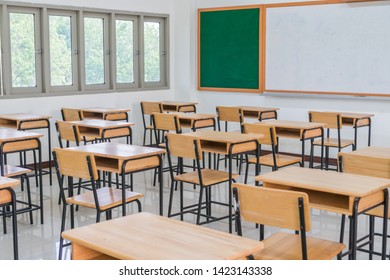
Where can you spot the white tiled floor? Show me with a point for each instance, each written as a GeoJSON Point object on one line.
{"type": "Point", "coordinates": [40, 241]}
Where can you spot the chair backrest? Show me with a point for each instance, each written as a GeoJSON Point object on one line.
{"type": "Point", "coordinates": [362, 165]}
{"type": "Point", "coordinates": [332, 120]}
{"type": "Point", "coordinates": [67, 132]}
{"type": "Point", "coordinates": [230, 114]}
{"type": "Point", "coordinates": [166, 122]}
{"type": "Point", "coordinates": [69, 114]}
{"type": "Point", "coordinates": [268, 131]}
{"type": "Point", "coordinates": [272, 207]}
{"type": "Point", "coordinates": [5, 196]}
{"type": "Point", "coordinates": [75, 164]}
{"type": "Point", "coordinates": [149, 108]}
{"type": "Point", "coordinates": [184, 146]}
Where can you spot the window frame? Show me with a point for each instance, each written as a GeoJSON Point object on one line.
{"type": "Point", "coordinates": [136, 53]}
{"type": "Point", "coordinates": [75, 50]}
{"type": "Point", "coordinates": [106, 52]}
{"type": "Point", "coordinates": [163, 52]}
{"type": "Point", "coordinates": [7, 78]}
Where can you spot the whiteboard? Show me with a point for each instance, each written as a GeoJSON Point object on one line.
{"type": "Point", "coordinates": [329, 48]}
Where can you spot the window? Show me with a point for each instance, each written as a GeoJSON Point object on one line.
{"type": "Point", "coordinates": [63, 51]}
{"type": "Point", "coordinates": [126, 51]}
{"type": "Point", "coordinates": [154, 52]}
{"type": "Point", "coordinates": [96, 52]}
{"type": "Point", "coordinates": [48, 49]}
{"type": "Point", "coordinates": [25, 49]}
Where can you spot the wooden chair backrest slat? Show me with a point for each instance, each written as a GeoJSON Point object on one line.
{"type": "Point", "coordinates": [262, 128]}
{"type": "Point", "coordinates": [66, 131]}
{"type": "Point", "coordinates": [361, 165]}
{"type": "Point", "coordinates": [184, 146]}
{"type": "Point", "coordinates": [149, 108]}
{"type": "Point", "coordinates": [5, 196]}
{"type": "Point", "coordinates": [69, 114]}
{"type": "Point", "coordinates": [74, 164]}
{"type": "Point", "coordinates": [168, 122]}
{"type": "Point", "coordinates": [332, 120]}
{"type": "Point", "coordinates": [272, 207]}
{"type": "Point", "coordinates": [230, 114]}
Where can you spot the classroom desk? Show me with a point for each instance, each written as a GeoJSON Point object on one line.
{"type": "Point", "coordinates": [144, 236]}
{"type": "Point", "coordinates": [103, 129]}
{"type": "Point", "coordinates": [179, 106]}
{"type": "Point", "coordinates": [105, 113]}
{"type": "Point", "coordinates": [342, 193]}
{"type": "Point", "coordinates": [21, 121]}
{"type": "Point", "coordinates": [259, 113]}
{"type": "Point", "coordinates": [125, 159]}
{"type": "Point", "coordinates": [196, 121]}
{"type": "Point", "coordinates": [228, 144]}
{"type": "Point", "coordinates": [16, 141]}
{"type": "Point", "coordinates": [299, 130]}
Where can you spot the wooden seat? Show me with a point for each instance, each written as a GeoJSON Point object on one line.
{"type": "Point", "coordinates": [108, 198]}
{"type": "Point", "coordinates": [272, 159]}
{"type": "Point", "coordinates": [148, 108]}
{"type": "Point", "coordinates": [188, 147]}
{"type": "Point", "coordinates": [334, 142]}
{"type": "Point", "coordinates": [317, 249]}
{"type": "Point", "coordinates": [281, 160]}
{"type": "Point", "coordinates": [75, 164]}
{"type": "Point", "coordinates": [70, 114]}
{"type": "Point", "coordinates": [333, 122]}
{"type": "Point", "coordinates": [286, 210]}
{"type": "Point", "coordinates": [362, 165]}
{"type": "Point", "coordinates": [209, 177]}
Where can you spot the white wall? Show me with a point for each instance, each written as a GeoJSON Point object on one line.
{"type": "Point", "coordinates": [131, 100]}
{"type": "Point", "coordinates": [296, 107]}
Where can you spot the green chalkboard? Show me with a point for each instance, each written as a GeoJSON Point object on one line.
{"type": "Point", "coordinates": [229, 49]}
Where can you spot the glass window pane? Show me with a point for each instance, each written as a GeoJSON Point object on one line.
{"type": "Point", "coordinates": [94, 50]}
{"type": "Point", "coordinates": [60, 50]}
{"type": "Point", "coordinates": [152, 51]}
{"type": "Point", "coordinates": [124, 51]}
{"type": "Point", "coordinates": [22, 34]}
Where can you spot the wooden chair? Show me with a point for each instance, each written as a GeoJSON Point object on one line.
{"type": "Point", "coordinates": [332, 121]}
{"type": "Point", "coordinates": [15, 172]}
{"type": "Point", "coordinates": [8, 200]}
{"type": "Point", "coordinates": [75, 164]}
{"type": "Point", "coordinates": [147, 109]}
{"type": "Point", "coordinates": [283, 209]}
{"type": "Point", "coordinates": [70, 114]}
{"type": "Point", "coordinates": [361, 165]}
{"type": "Point", "coordinates": [272, 158]}
{"type": "Point", "coordinates": [229, 115]}
{"type": "Point", "coordinates": [162, 123]}
{"type": "Point", "coordinates": [188, 147]}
